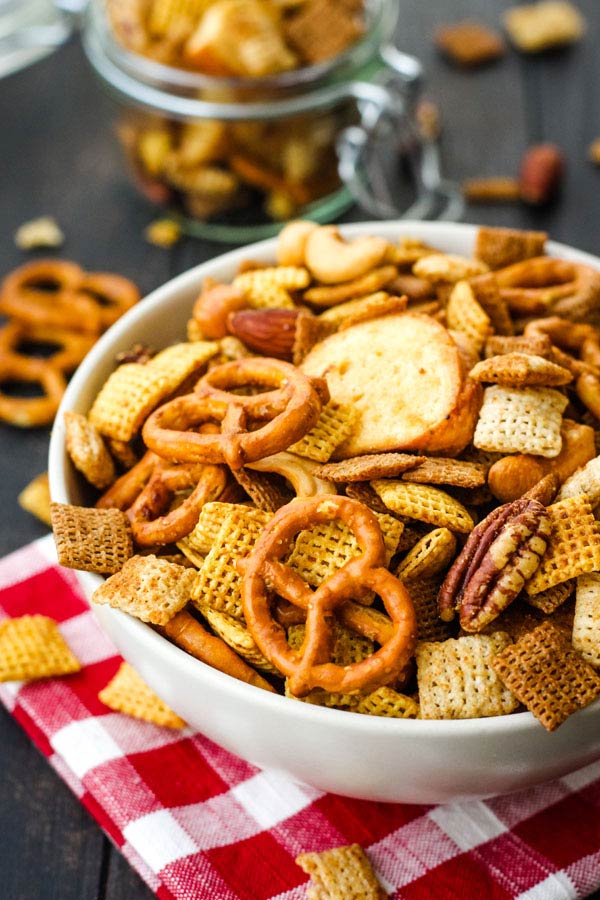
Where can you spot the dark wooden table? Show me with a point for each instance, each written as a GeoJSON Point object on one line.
{"type": "Point", "coordinates": [58, 156]}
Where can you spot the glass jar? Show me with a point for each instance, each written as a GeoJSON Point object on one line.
{"type": "Point", "coordinates": [29, 31]}
{"type": "Point", "coordinates": [233, 158]}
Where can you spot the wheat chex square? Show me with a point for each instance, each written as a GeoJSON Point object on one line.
{"type": "Point", "coordinates": [547, 674]}
{"type": "Point", "coordinates": [94, 540]}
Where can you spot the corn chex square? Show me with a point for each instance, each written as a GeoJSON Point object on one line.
{"type": "Point", "coordinates": [180, 361]}
{"type": "Point", "coordinates": [269, 287]}
{"type": "Point", "coordinates": [521, 420]}
{"type": "Point", "coordinates": [429, 556]}
{"type": "Point", "coordinates": [128, 693]}
{"type": "Point", "coordinates": [219, 584]}
{"type": "Point", "coordinates": [456, 679]}
{"type": "Point", "coordinates": [586, 622]}
{"type": "Point", "coordinates": [574, 546]}
{"type": "Point", "coordinates": [94, 540]}
{"type": "Point", "coordinates": [424, 503]}
{"type": "Point", "coordinates": [344, 873]}
{"type": "Point", "coordinates": [35, 498]}
{"type": "Point", "coordinates": [235, 633]}
{"type": "Point", "coordinates": [385, 701]}
{"type": "Point", "coordinates": [334, 425]}
{"type": "Point", "coordinates": [321, 550]}
{"type": "Point", "coordinates": [127, 397]}
{"type": "Point", "coordinates": [32, 647]}
{"type": "Point", "coordinates": [210, 522]}
{"type": "Point", "coordinates": [547, 674]}
{"type": "Point", "coordinates": [151, 589]}
{"type": "Point", "coordinates": [464, 313]}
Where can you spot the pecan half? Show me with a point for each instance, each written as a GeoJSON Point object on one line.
{"type": "Point", "coordinates": [502, 553]}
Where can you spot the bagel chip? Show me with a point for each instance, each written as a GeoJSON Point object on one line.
{"type": "Point", "coordinates": [404, 376]}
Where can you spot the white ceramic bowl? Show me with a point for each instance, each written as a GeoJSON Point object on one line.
{"type": "Point", "coordinates": [361, 756]}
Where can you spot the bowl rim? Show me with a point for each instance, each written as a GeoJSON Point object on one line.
{"type": "Point", "coordinates": [193, 669]}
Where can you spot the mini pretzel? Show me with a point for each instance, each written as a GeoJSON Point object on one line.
{"type": "Point", "coordinates": [111, 294]}
{"type": "Point", "coordinates": [147, 490]}
{"type": "Point", "coordinates": [308, 667]}
{"type": "Point", "coordinates": [58, 293]}
{"type": "Point", "coordinates": [28, 412]}
{"type": "Point", "coordinates": [71, 347]}
{"type": "Point", "coordinates": [282, 415]}
{"type": "Point", "coordinates": [533, 286]}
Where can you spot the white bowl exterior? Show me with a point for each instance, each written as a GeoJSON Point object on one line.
{"type": "Point", "coordinates": [360, 756]}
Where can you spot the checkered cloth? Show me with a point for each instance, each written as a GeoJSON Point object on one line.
{"type": "Point", "coordinates": [196, 822]}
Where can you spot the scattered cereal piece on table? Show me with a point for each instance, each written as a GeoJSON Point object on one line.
{"type": "Point", "coordinates": [535, 27]}
{"type": "Point", "coordinates": [470, 44]}
{"type": "Point", "coordinates": [32, 647]}
{"type": "Point", "coordinates": [594, 152]}
{"type": "Point", "coordinates": [494, 189]}
{"type": "Point", "coordinates": [343, 873]}
{"type": "Point", "coordinates": [42, 232]}
{"type": "Point", "coordinates": [128, 693]}
{"type": "Point", "coordinates": [163, 233]}
{"type": "Point", "coordinates": [35, 498]}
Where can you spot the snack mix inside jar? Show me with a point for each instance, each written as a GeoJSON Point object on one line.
{"type": "Point", "coordinates": [241, 114]}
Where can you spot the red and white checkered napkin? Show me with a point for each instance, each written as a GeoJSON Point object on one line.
{"type": "Point", "coordinates": [197, 822]}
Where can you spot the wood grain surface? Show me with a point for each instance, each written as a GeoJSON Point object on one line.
{"type": "Point", "coordinates": [58, 156]}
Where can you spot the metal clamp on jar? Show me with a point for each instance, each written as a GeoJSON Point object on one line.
{"type": "Point", "coordinates": [307, 142]}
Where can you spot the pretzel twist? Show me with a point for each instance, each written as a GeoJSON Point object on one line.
{"type": "Point", "coordinates": [252, 426]}
{"type": "Point", "coordinates": [309, 667]}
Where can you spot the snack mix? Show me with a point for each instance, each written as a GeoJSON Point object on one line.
{"type": "Point", "coordinates": [210, 167]}
{"type": "Point", "coordinates": [368, 480]}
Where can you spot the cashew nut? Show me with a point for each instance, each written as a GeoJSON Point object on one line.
{"type": "Point", "coordinates": [331, 259]}
{"type": "Point", "coordinates": [291, 243]}
{"type": "Point", "coordinates": [298, 471]}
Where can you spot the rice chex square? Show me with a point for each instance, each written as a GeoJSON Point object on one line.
{"type": "Point", "coordinates": [521, 420]}
{"type": "Point", "coordinates": [456, 679]}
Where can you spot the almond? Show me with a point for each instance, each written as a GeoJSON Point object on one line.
{"type": "Point", "coordinates": [542, 169]}
{"type": "Point", "coordinates": [270, 332]}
